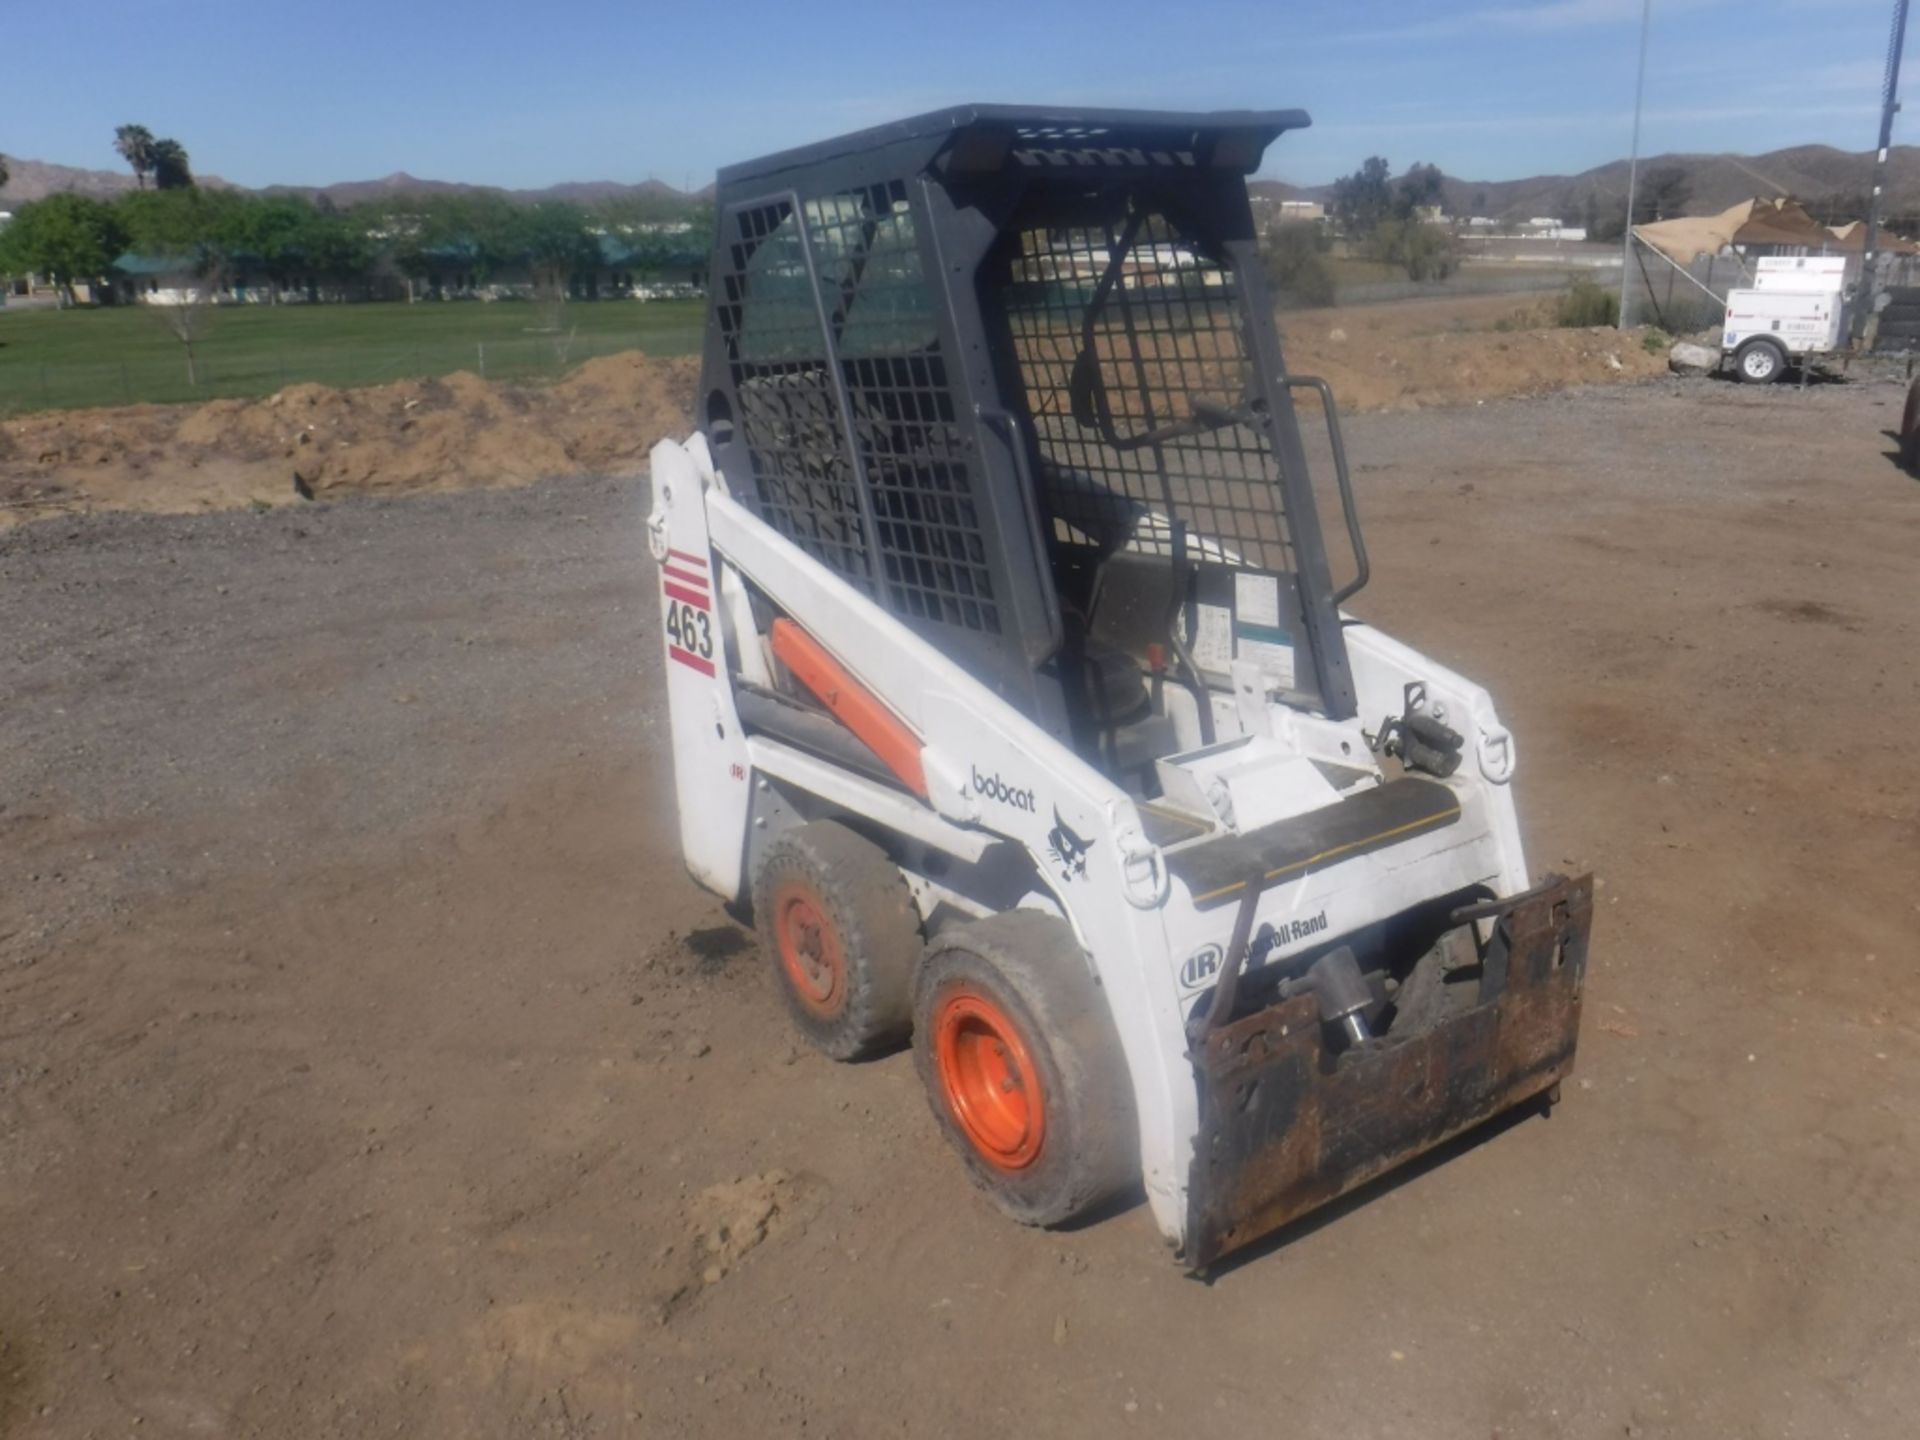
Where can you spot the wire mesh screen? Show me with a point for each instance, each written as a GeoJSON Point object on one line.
{"type": "Point", "coordinates": [789, 414]}
{"type": "Point", "coordinates": [926, 558]}
{"type": "Point", "coordinates": [926, 518]}
{"type": "Point", "coordinates": [1165, 336]}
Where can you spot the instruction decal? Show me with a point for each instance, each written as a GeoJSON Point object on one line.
{"type": "Point", "coordinates": [1258, 635]}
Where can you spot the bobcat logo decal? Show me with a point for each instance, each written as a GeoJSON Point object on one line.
{"type": "Point", "coordinates": [1069, 851]}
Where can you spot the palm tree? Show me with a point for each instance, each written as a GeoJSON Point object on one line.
{"type": "Point", "coordinates": [169, 160]}
{"type": "Point", "coordinates": [135, 144]}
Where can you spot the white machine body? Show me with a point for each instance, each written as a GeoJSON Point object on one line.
{"type": "Point", "coordinates": [995, 779]}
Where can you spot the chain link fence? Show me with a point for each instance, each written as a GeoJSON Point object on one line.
{"type": "Point", "coordinates": [257, 368]}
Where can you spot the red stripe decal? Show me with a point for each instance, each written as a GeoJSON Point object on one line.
{"type": "Point", "coordinates": [685, 559]}
{"type": "Point", "coordinates": [692, 661]}
{"type": "Point", "coordinates": [681, 575]}
{"type": "Point", "coordinates": [690, 597]}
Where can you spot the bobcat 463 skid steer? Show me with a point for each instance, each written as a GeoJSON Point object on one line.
{"type": "Point", "coordinates": [1010, 686]}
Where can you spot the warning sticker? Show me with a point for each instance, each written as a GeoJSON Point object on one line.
{"type": "Point", "coordinates": [1256, 600]}
{"type": "Point", "coordinates": [1257, 632]}
{"type": "Point", "coordinates": [1213, 638]}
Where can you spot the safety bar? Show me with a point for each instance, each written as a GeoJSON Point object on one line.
{"type": "Point", "coordinates": [1362, 571]}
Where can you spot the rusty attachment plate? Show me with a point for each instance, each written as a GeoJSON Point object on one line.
{"type": "Point", "coordinates": [1287, 1125]}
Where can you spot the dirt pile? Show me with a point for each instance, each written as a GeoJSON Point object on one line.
{"type": "Point", "coordinates": [462, 432]}
{"type": "Point", "coordinates": [1426, 353]}
{"type": "Point", "coordinates": [310, 441]}
{"type": "Point", "coordinates": [734, 1218]}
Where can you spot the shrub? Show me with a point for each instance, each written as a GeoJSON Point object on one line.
{"type": "Point", "coordinates": [1296, 261]}
{"type": "Point", "coordinates": [1585, 304]}
{"type": "Point", "coordinates": [1425, 252]}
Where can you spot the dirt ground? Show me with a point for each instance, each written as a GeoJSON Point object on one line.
{"type": "Point", "coordinates": [368, 1065]}
{"type": "Point", "coordinates": [463, 432]}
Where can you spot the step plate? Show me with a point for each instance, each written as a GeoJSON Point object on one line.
{"type": "Point", "coordinates": [1216, 872]}
{"type": "Point", "coordinates": [1285, 1126]}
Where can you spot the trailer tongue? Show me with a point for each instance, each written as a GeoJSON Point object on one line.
{"type": "Point", "coordinates": [1009, 682]}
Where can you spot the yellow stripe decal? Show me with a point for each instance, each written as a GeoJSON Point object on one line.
{"type": "Point", "coordinates": [1443, 817]}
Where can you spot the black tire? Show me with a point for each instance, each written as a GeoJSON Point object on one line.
{"type": "Point", "coordinates": [1027, 969]}
{"type": "Point", "coordinates": [839, 929]}
{"type": "Point", "coordinates": [1910, 431]}
{"type": "Point", "coordinates": [1760, 362]}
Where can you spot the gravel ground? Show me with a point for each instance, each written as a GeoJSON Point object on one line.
{"type": "Point", "coordinates": [368, 1065]}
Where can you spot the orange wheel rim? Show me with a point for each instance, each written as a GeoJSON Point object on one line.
{"type": "Point", "coordinates": [988, 1079]}
{"type": "Point", "coordinates": [810, 952]}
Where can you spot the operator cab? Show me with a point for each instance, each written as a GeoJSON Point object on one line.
{"type": "Point", "coordinates": [1014, 373]}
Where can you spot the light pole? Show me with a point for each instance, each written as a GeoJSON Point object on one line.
{"type": "Point", "coordinates": [1889, 106]}
{"type": "Point", "coordinates": [1633, 163]}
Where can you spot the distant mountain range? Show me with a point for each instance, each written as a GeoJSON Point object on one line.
{"type": "Point", "coordinates": [1815, 174]}
{"type": "Point", "coordinates": [34, 179]}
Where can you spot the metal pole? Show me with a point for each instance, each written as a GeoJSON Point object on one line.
{"type": "Point", "coordinates": [1889, 105]}
{"type": "Point", "coordinates": [1633, 162]}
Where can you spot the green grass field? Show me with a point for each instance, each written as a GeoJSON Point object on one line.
{"type": "Point", "coordinates": [54, 359]}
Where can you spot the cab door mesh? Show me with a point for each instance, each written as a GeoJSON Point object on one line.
{"type": "Point", "coordinates": [1166, 338]}
{"type": "Point", "coordinates": [832, 339]}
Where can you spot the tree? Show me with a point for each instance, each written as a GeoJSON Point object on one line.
{"type": "Point", "coordinates": [170, 169]}
{"type": "Point", "coordinates": [1418, 188]}
{"type": "Point", "coordinates": [1479, 202]}
{"type": "Point", "coordinates": [5, 174]}
{"type": "Point", "coordinates": [553, 237]}
{"type": "Point", "coordinates": [1663, 194]}
{"type": "Point", "coordinates": [64, 237]}
{"type": "Point", "coordinates": [187, 311]}
{"type": "Point", "coordinates": [189, 223]}
{"type": "Point", "coordinates": [338, 252]}
{"type": "Point", "coordinates": [135, 144]}
{"type": "Point", "coordinates": [277, 231]}
{"type": "Point", "coordinates": [1363, 199]}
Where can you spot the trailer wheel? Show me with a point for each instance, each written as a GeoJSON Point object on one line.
{"type": "Point", "coordinates": [839, 927]}
{"type": "Point", "coordinates": [1022, 1066]}
{"type": "Point", "coordinates": [1760, 362]}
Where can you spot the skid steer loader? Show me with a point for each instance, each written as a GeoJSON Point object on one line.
{"type": "Point", "coordinates": [1009, 685]}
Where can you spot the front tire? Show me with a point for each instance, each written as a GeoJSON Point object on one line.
{"type": "Point", "coordinates": [838, 925]}
{"type": "Point", "coordinates": [1022, 1067]}
{"type": "Point", "coordinates": [1760, 362]}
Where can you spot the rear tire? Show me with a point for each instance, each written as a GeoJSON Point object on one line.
{"type": "Point", "coordinates": [1910, 431]}
{"type": "Point", "coordinates": [1022, 1067]}
{"type": "Point", "coordinates": [839, 928]}
{"type": "Point", "coordinates": [1760, 362]}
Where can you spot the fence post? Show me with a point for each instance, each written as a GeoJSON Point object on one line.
{"type": "Point", "coordinates": [482, 348]}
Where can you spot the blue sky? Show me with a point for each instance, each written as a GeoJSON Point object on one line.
{"type": "Point", "coordinates": [525, 94]}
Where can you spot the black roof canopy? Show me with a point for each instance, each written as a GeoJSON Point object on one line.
{"type": "Point", "coordinates": [980, 139]}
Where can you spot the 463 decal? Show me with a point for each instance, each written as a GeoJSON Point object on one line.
{"type": "Point", "coordinates": [687, 597]}
{"type": "Point", "coordinates": [690, 636]}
